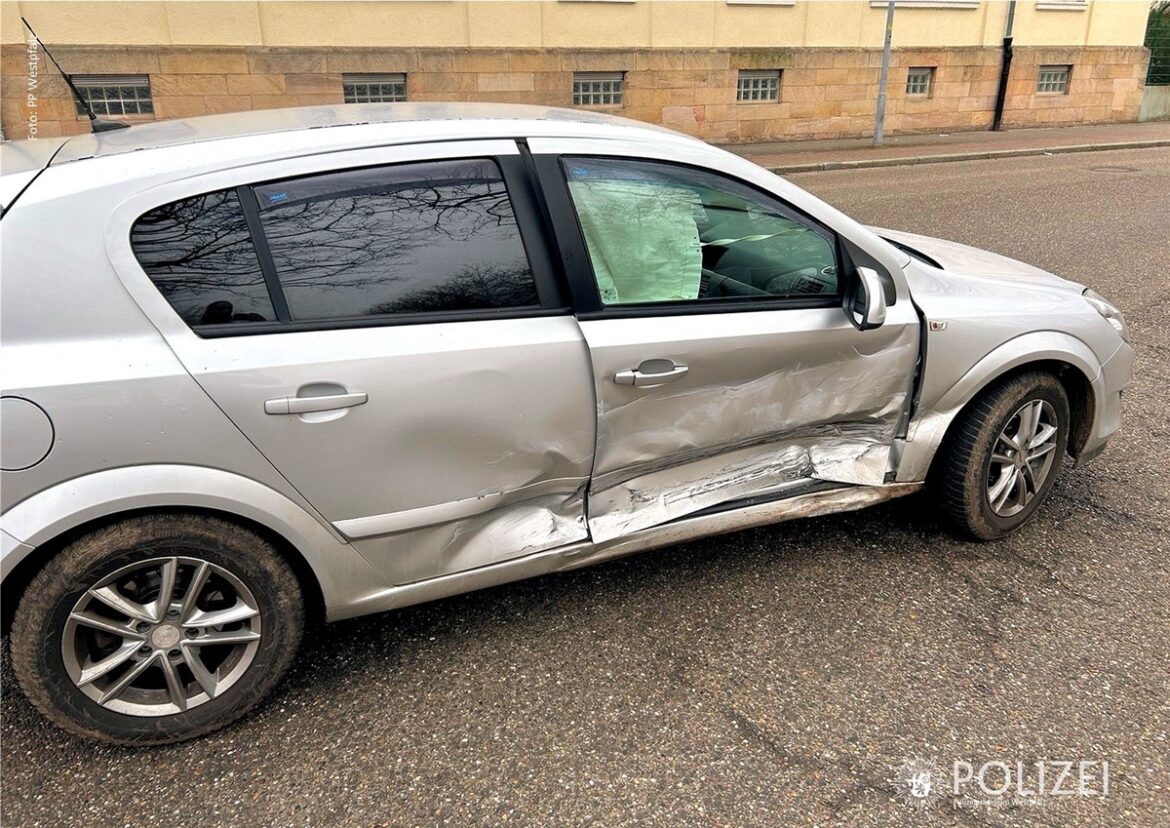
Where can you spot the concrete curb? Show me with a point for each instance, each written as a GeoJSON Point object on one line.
{"type": "Point", "coordinates": [978, 155]}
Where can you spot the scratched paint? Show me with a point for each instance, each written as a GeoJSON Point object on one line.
{"type": "Point", "coordinates": [513, 530]}
{"type": "Point", "coordinates": [792, 407]}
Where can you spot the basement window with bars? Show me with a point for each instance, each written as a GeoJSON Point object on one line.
{"type": "Point", "coordinates": [382, 88]}
{"type": "Point", "coordinates": [598, 88]}
{"type": "Point", "coordinates": [761, 85]}
{"type": "Point", "coordinates": [919, 79]}
{"type": "Point", "coordinates": [115, 94]}
{"type": "Point", "coordinates": [1053, 79]}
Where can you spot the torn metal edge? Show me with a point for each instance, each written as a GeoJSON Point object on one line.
{"type": "Point", "coordinates": [586, 553]}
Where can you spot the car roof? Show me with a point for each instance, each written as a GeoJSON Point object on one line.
{"type": "Point", "coordinates": [475, 118]}
{"type": "Point", "coordinates": [21, 162]}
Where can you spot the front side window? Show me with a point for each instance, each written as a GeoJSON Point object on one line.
{"type": "Point", "coordinates": [425, 237]}
{"type": "Point", "coordinates": [664, 233]}
{"type": "Point", "coordinates": [200, 256]}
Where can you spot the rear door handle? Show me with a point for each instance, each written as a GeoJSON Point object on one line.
{"type": "Point", "coordinates": [306, 405]}
{"type": "Point", "coordinates": [651, 373]}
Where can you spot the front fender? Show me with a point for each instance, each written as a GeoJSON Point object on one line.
{"type": "Point", "coordinates": [341, 572]}
{"type": "Point", "coordinates": [929, 426]}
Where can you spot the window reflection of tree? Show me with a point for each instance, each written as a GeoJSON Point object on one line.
{"type": "Point", "coordinates": [198, 252]}
{"type": "Point", "coordinates": [429, 236]}
{"type": "Point", "coordinates": [473, 288]}
{"type": "Point", "coordinates": [401, 245]}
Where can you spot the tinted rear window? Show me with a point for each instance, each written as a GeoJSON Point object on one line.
{"type": "Point", "coordinates": [425, 237]}
{"type": "Point", "coordinates": [199, 254]}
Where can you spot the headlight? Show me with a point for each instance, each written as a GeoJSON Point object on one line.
{"type": "Point", "coordinates": [1107, 309]}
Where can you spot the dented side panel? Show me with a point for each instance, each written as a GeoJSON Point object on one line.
{"type": "Point", "coordinates": [513, 530]}
{"type": "Point", "coordinates": [474, 445]}
{"type": "Point", "coordinates": [770, 398]}
{"type": "Point", "coordinates": [473, 440]}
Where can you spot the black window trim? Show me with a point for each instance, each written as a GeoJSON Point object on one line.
{"type": "Point", "coordinates": [526, 209]}
{"type": "Point", "coordinates": [380, 321]}
{"type": "Point", "coordinates": [530, 220]}
{"type": "Point", "coordinates": [251, 209]}
{"type": "Point", "coordinates": [578, 267]}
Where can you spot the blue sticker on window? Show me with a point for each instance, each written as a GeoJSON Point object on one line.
{"type": "Point", "coordinates": [277, 197]}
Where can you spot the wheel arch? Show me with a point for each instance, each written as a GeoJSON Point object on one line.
{"type": "Point", "coordinates": [329, 569]}
{"type": "Point", "coordinates": [22, 574]}
{"type": "Point", "coordinates": [1069, 359]}
{"type": "Point", "coordinates": [1076, 386]}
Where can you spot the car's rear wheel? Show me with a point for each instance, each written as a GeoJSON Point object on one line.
{"type": "Point", "coordinates": [1004, 455]}
{"type": "Point", "coordinates": [156, 629]}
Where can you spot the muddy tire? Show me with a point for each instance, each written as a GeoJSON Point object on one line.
{"type": "Point", "coordinates": [1003, 456]}
{"type": "Point", "coordinates": [156, 629]}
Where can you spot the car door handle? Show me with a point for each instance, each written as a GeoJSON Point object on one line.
{"type": "Point", "coordinates": [651, 373]}
{"type": "Point", "coordinates": [306, 405]}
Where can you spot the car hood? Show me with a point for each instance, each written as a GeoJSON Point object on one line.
{"type": "Point", "coordinates": [974, 262]}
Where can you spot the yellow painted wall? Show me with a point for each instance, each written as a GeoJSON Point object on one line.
{"type": "Point", "coordinates": [682, 24]}
{"type": "Point", "coordinates": [504, 24]}
{"type": "Point", "coordinates": [564, 24]}
{"type": "Point", "coordinates": [612, 25]}
{"type": "Point", "coordinates": [224, 24]}
{"type": "Point", "coordinates": [99, 22]}
{"type": "Point", "coordinates": [929, 27]}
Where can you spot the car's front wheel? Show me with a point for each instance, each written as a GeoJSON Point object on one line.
{"type": "Point", "coordinates": [156, 629]}
{"type": "Point", "coordinates": [1004, 454]}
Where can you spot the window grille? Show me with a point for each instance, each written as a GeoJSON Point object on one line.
{"type": "Point", "coordinates": [598, 88]}
{"type": "Point", "coordinates": [384, 88]}
{"type": "Point", "coordinates": [115, 94]}
{"type": "Point", "coordinates": [758, 85]}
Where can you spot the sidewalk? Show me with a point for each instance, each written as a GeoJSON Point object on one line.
{"type": "Point", "coordinates": [854, 153]}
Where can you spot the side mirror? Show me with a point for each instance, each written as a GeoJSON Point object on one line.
{"type": "Point", "coordinates": [865, 301]}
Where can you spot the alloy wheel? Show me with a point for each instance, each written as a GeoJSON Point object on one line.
{"type": "Point", "coordinates": [1022, 458]}
{"type": "Point", "coordinates": [161, 636]}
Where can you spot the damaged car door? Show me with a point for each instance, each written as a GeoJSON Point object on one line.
{"type": "Point", "coordinates": [384, 326]}
{"type": "Point", "coordinates": [725, 366]}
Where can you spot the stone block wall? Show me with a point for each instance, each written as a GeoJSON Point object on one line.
{"type": "Point", "coordinates": [824, 93]}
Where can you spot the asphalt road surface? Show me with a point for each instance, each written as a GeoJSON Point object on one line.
{"type": "Point", "coordinates": [773, 677]}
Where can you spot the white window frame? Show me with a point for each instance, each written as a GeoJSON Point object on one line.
{"type": "Point", "coordinates": [618, 78]}
{"type": "Point", "coordinates": [927, 4]}
{"type": "Point", "coordinates": [1062, 5]}
{"type": "Point", "coordinates": [373, 79]}
{"type": "Point", "coordinates": [928, 89]}
{"type": "Point", "coordinates": [758, 75]}
{"type": "Point", "coordinates": [1051, 68]}
{"type": "Point", "coordinates": [86, 83]}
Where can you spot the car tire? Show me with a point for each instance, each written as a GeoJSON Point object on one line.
{"type": "Point", "coordinates": [987, 484]}
{"type": "Point", "coordinates": [188, 665]}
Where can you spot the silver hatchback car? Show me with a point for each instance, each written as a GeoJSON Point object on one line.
{"type": "Point", "coordinates": [266, 367]}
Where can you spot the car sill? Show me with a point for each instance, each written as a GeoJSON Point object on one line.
{"type": "Point", "coordinates": [586, 553]}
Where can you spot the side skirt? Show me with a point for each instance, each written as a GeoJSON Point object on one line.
{"type": "Point", "coordinates": [587, 553]}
